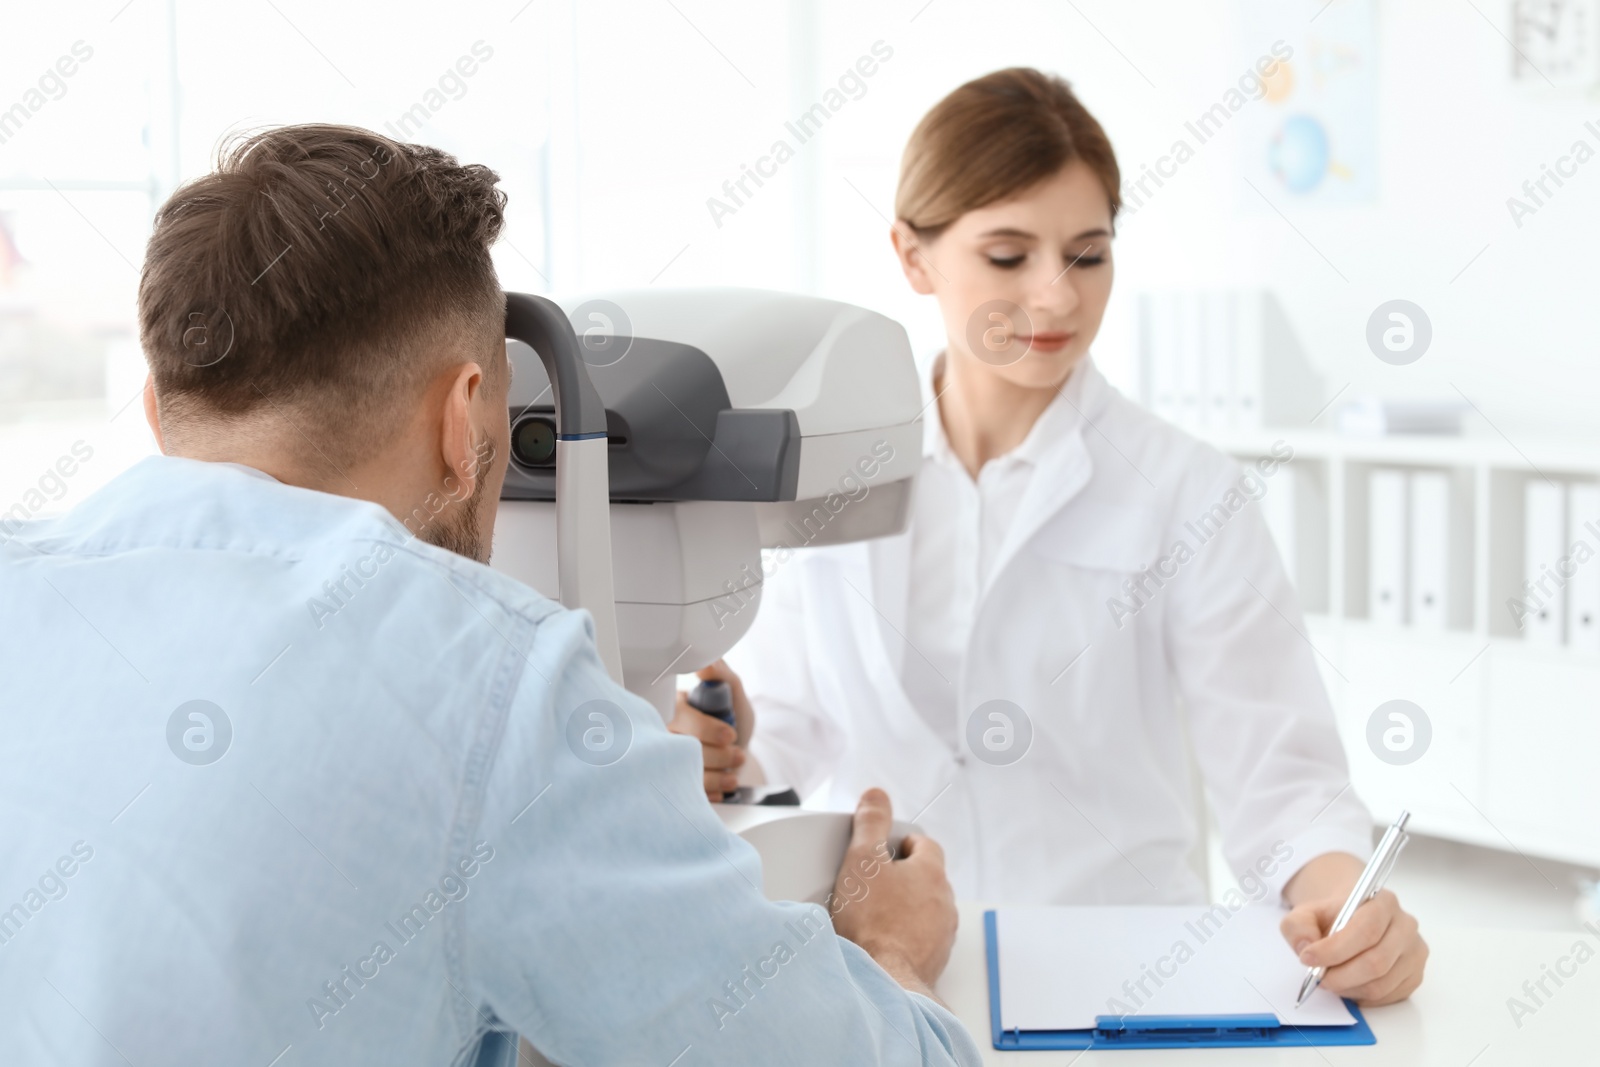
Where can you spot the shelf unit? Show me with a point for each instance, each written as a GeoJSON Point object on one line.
{"type": "Point", "coordinates": [1514, 761]}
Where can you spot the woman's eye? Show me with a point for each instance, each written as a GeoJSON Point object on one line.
{"type": "Point", "coordinates": [1007, 262]}
{"type": "Point", "coordinates": [1088, 261]}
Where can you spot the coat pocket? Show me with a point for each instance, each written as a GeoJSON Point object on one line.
{"type": "Point", "coordinates": [1100, 535]}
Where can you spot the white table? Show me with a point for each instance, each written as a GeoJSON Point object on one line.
{"type": "Point", "coordinates": [1458, 1017]}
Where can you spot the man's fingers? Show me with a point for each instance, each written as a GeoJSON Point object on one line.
{"type": "Point", "coordinates": [874, 818]}
{"type": "Point", "coordinates": [920, 848]}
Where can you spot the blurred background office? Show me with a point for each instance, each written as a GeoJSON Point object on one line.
{"type": "Point", "coordinates": [1378, 252]}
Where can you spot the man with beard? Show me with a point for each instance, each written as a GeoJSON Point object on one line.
{"type": "Point", "coordinates": [287, 771]}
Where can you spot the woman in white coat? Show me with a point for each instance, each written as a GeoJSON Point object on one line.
{"type": "Point", "coordinates": [1086, 604]}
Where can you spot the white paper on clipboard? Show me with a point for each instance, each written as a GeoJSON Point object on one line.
{"type": "Point", "coordinates": [1061, 967]}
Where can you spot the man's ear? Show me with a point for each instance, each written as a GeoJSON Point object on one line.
{"type": "Point", "coordinates": [913, 260]}
{"type": "Point", "coordinates": [152, 413]}
{"type": "Point", "coordinates": [457, 448]}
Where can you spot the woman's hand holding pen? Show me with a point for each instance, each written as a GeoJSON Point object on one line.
{"type": "Point", "coordinates": [1378, 957]}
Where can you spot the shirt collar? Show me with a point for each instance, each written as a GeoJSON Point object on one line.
{"type": "Point", "coordinates": [1052, 425]}
{"type": "Point", "coordinates": [243, 468]}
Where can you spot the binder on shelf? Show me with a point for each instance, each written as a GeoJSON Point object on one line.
{"type": "Point", "coordinates": [1159, 355]}
{"type": "Point", "coordinates": [1544, 525]}
{"type": "Point", "coordinates": [1430, 549]}
{"type": "Point", "coordinates": [1386, 547]}
{"type": "Point", "coordinates": [1249, 358]}
{"type": "Point", "coordinates": [1279, 507]}
{"type": "Point", "coordinates": [1583, 589]}
{"type": "Point", "coordinates": [1218, 355]}
{"type": "Point", "coordinates": [1192, 406]}
{"type": "Point", "coordinates": [1223, 360]}
{"type": "Point", "coordinates": [1083, 977]}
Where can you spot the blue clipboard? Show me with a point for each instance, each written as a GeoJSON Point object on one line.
{"type": "Point", "coordinates": [1164, 1031]}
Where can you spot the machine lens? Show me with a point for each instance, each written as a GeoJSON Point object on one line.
{"type": "Point", "coordinates": [533, 441]}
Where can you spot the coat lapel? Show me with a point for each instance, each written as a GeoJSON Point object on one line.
{"type": "Point", "coordinates": [1064, 468]}
{"type": "Point", "coordinates": [879, 571]}
{"type": "Point", "coordinates": [889, 560]}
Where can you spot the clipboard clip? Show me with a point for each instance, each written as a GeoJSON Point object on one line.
{"type": "Point", "coordinates": [1133, 1030]}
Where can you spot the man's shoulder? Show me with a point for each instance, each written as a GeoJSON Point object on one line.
{"type": "Point", "coordinates": [217, 523]}
{"type": "Point", "coordinates": [477, 584]}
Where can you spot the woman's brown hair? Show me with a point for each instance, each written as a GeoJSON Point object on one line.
{"type": "Point", "coordinates": [993, 138]}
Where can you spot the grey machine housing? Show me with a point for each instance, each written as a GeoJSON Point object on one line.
{"type": "Point", "coordinates": [735, 420]}
{"type": "Point", "coordinates": [672, 431]}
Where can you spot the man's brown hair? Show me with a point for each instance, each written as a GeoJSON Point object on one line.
{"type": "Point", "coordinates": [319, 272]}
{"type": "Point", "coordinates": [992, 139]}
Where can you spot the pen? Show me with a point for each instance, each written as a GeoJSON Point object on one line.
{"type": "Point", "coordinates": [1366, 887]}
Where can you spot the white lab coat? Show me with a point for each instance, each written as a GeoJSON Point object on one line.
{"type": "Point", "coordinates": [1102, 807]}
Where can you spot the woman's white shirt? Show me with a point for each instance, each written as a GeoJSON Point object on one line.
{"type": "Point", "coordinates": [1132, 601]}
{"type": "Point", "coordinates": [958, 529]}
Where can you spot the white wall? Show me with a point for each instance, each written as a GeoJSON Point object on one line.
{"type": "Point", "coordinates": [1456, 137]}
{"type": "Point", "coordinates": [618, 119]}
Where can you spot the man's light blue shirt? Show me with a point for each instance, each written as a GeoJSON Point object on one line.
{"type": "Point", "coordinates": [278, 780]}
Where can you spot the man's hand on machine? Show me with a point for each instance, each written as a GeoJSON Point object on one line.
{"type": "Point", "coordinates": [721, 747]}
{"type": "Point", "coordinates": [902, 911]}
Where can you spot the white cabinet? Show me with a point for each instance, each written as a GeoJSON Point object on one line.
{"type": "Point", "coordinates": [1513, 760]}
{"type": "Point", "coordinates": [1541, 786]}
{"type": "Point", "coordinates": [1418, 670]}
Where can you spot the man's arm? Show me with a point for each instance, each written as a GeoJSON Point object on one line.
{"type": "Point", "coordinates": [620, 922]}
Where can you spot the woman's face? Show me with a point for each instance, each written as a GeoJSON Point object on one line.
{"type": "Point", "coordinates": [1022, 285]}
